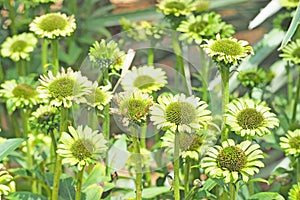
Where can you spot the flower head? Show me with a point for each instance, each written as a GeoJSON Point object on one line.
{"type": "Point", "coordinates": [64, 88]}
{"type": "Point", "coordinates": [53, 25]}
{"type": "Point", "coordinates": [230, 161]}
{"type": "Point", "coordinates": [176, 7]}
{"type": "Point", "coordinates": [19, 47]}
{"type": "Point", "coordinates": [289, 3]}
{"type": "Point", "coordinates": [45, 118]}
{"type": "Point", "coordinates": [192, 145]}
{"type": "Point", "coordinates": [255, 77]}
{"type": "Point", "coordinates": [81, 146]}
{"type": "Point", "coordinates": [291, 52]}
{"type": "Point", "coordinates": [99, 97]}
{"type": "Point", "coordinates": [227, 51]}
{"type": "Point", "coordinates": [205, 26]}
{"type": "Point", "coordinates": [132, 106]}
{"type": "Point", "coordinates": [107, 55]}
{"type": "Point", "coordinates": [282, 21]}
{"type": "Point", "coordinates": [20, 93]}
{"type": "Point", "coordinates": [7, 185]}
{"type": "Point", "coordinates": [185, 113]}
{"type": "Point", "coordinates": [290, 143]}
{"type": "Point", "coordinates": [146, 79]}
{"type": "Point", "coordinates": [294, 192]}
{"type": "Point", "coordinates": [249, 118]}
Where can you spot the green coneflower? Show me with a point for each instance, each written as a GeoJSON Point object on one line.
{"type": "Point", "coordinates": [132, 106]}
{"type": "Point", "coordinates": [81, 146]}
{"type": "Point", "coordinates": [19, 47]}
{"type": "Point", "coordinates": [146, 79]}
{"type": "Point", "coordinates": [249, 118]}
{"type": "Point", "coordinates": [176, 7]}
{"type": "Point", "coordinates": [205, 26]}
{"type": "Point", "coordinates": [233, 161]}
{"type": "Point", "coordinates": [99, 97]}
{"type": "Point", "coordinates": [185, 113]}
{"type": "Point", "coordinates": [294, 192]}
{"type": "Point", "coordinates": [289, 3]}
{"type": "Point", "coordinates": [227, 51]}
{"type": "Point", "coordinates": [255, 77]}
{"type": "Point", "coordinates": [7, 185]}
{"type": "Point", "coordinates": [291, 52]}
{"type": "Point", "coordinates": [53, 25]}
{"type": "Point", "coordinates": [64, 88]}
{"type": "Point", "coordinates": [20, 93]}
{"type": "Point", "coordinates": [290, 143]}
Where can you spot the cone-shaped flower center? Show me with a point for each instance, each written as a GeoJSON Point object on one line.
{"type": "Point", "coordinates": [227, 46]}
{"type": "Point", "coordinates": [232, 158]}
{"type": "Point", "coordinates": [53, 22]}
{"type": "Point", "coordinates": [82, 149]}
{"type": "Point", "coordinates": [295, 142]}
{"type": "Point", "coordinates": [250, 118]}
{"type": "Point", "coordinates": [18, 46]}
{"type": "Point", "coordinates": [180, 113]}
{"type": "Point", "coordinates": [24, 91]}
{"type": "Point", "coordinates": [45, 117]}
{"type": "Point", "coordinates": [62, 87]}
{"type": "Point", "coordinates": [135, 109]}
{"type": "Point", "coordinates": [97, 96]}
{"type": "Point", "coordinates": [175, 5]}
{"type": "Point", "coordinates": [296, 52]}
{"type": "Point", "coordinates": [190, 141]}
{"type": "Point", "coordinates": [198, 26]}
{"type": "Point", "coordinates": [143, 82]}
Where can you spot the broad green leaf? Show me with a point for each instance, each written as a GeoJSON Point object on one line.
{"type": "Point", "coordinates": [118, 154]}
{"type": "Point", "coordinates": [292, 28]}
{"type": "Point", "coordinates": [149, 193]}
{"type": "Point", "coordinates": [66, 188]}
{"type": "Point", "coordinates": [261, 180]}
{"type": "Point", "coordinates": [10, 145]}
{"type": "Point", "coordinates": [96, 176]}
{"type": "Point", "coordinates": [266, 195]}
{"type": "Point", "coordinates": [93, 192]}
{"type": "Point", "coordinates": [25, 195]}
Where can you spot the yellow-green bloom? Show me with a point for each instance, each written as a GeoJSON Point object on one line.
{"type": "Point", "coordinates": [191, 145]}
{"type": "Point", "coordinates": [146, 79]}
{"type": "Point", "coordinates": [290, 143]}
{"type": "Point", "coordinates": [249, 118]}
{"type": "Point", "coordinates": [294, 192]}
{"type": "Point", "coordinates": [99, 97]}
{"type": "Point", "coordinates": [20, 93]}
{"type": "Point", "coordinates": [53, 25]}
{"type": "Point", "coordinates": [289, 3]}
{"type": "Point", "coordinates": [180, 112]}
{"type": "Point", "coordinates": [176, 7]}
{"type": "Point", "coordinates": [81, 146]}
{"type": "Point", "coordinates": [233, 161]}
{"type": "Point", "coordinates": [255, 77]}
{"type": "Point", "coordinates": [7, 185]}
{"type": "Point", "coordinates": [205, 26]}
{"type": "Point", "coordinates": [64, 88]}
{"type": "Point", "coordinates": [291, 52]}
{"type": "Point", "coordinates": [19, 47]}
{"type": "Point", "coordinates": [132, 106]}
{"type": "Point", "coordinates": [227, 51]}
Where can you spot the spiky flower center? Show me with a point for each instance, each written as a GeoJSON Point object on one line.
{"type": "Point", "coordinates": [143, 82]}
{"type": "Point", "coordinates": [227, 47]}
{"type": "Point", "coordinates": [62, 87]}
{"type": "Point", "coordinates": [296, 52]}
{"type": "Point", "coordinates": [97, 96]}
{"type": "Point", "coordinates": [196, 27]}
{"type": "Point", "coordinates": [135, 109]}
{"type": "Point", "coordinates": [175, 5]}
{"type": "Point", "coordinates": [295, 142]}
{"type": "Point", "coordinates": [23, 91]}
{"type": "Point", "coordinates": [190, 141]}
{"type": "Point", "coordinates": [250, 118]}
{"type": "Point", "coordinates": [18, 46]}
{"type": "Point", "coordinates": [180, 113]}
{"type": "Point", "coordinates": [231, 158]}
{"type": "Point", "coordinates": [46, 117]}
{"type": "Point", "coordinates": [53, 22]}
{"type": "Point", "coordinates": [82, 149]}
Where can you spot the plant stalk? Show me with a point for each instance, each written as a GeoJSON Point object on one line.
{"type": "Point", "coordinates": [79, 184]}
{"type": "Point", "coordinates": [233, 194]}
{"type": "Point", "coordinates": [204, 75]}
{"type": "Point", "coordinates": [12, 16]}
{"type": "Point", "coordinates": [298, 169]}
{"type": "Point", "coordinates": [225, 98]}
{"type": "Point", "coordinates": [289, 82]}
{"type": "Point", "coordinates": [138, 164]}
{"type": "Point", "coordinates": [296, 98]}
{"type": "Point", "coordinates": [44, 55]}
{"type": "Point", "coordinates": [176, 166]}
{"type": "Point", "coordinates": [187, 165]}
{"type": "Point", "coordinates": [55, 64]}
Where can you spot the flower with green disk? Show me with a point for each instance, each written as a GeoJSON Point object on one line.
{"type": "Point", "coordinates": [294, 192]}
{"type": "Point", "coordinates": [290, 143]}
{"type": "Point", "coordinates": [291, 52]}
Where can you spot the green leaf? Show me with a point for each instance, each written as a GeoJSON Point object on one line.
{"type": "Point", "coordinates": [93, 192]}
{"type": "Point", "coordinates": [149, 193]}
{"type": "Point", "coordinates": [261, 180]}
{"type": "Point", "coordinates": [25, 195]}
{"type": "Point", "coordinates": [118, 154]}
{"type": "Point", "coordinates": [266, 195]}
{"type": "Point", "coordinates": [10, 145]}
{"type": "Point", "coordinates": [96, 176]}
{"type": "Point", "coordinates": [66, 188]}
{"type": "Point", "coordinates": [292, 28]}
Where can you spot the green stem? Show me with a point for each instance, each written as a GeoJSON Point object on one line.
{"type": "Point", "coordinates": [158, 155]}
{"type": "Point", "coordinates": [44, 55]}
{"type": "Point", "coordinates": [79, 184]}
{"type": "Point", "coordinates": [176, 167]}
{"type": "Point", "coordinates": [138, 164]}
{"type": "Point", "coordinates": [21, 68]}
{"type": "Point", "coordinates": [151, 55]}
{"type": "Point", "coordinates": [12, 16]}
{"type": "Point", "coordinates": [298, 169]}
{"type": "Point", "coordinates": [251, 188]}
{"type": "Point", "coordinates": [1, 73]}
{"type": "Point", "coordinates": [289, 82]}
{"type": "Point", "coordinates": [187, 165]}
{"type": "Point", "coordinates": [144, 146]}
{"type": "Point", "coordinates": [55, 64]}
{"type": "Point", "coordinates": [15, 125]}
{"type": "Point", "coordinates": [225, 98]}
{"type": "Point", "coordinates": [58, 164]}
{"type": "Point", "coordinates": [232, 191]}
{"type": "Point", "coordinates": [204, 75]}
{"type": "Point", "coordinates": [296, 98]}
{"type": "Point", "coordinates": [106, 131]}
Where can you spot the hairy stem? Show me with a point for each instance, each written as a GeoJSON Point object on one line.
{"type": "Point", "coordinates": [55, 64]}
{"type": "Point", "coordinates": [176, 167]}
{"type": "Point", "coordinates": [138, 164]}
{"type": "Point", "coordinates": [296, 98]}
{"type": "Point", "coordinates": [79, 184]}
{"type": "Point", "coordinates": [225, 98]}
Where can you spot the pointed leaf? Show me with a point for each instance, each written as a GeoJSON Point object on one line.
{"type": "Point", "coordinates": [10, 145]}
